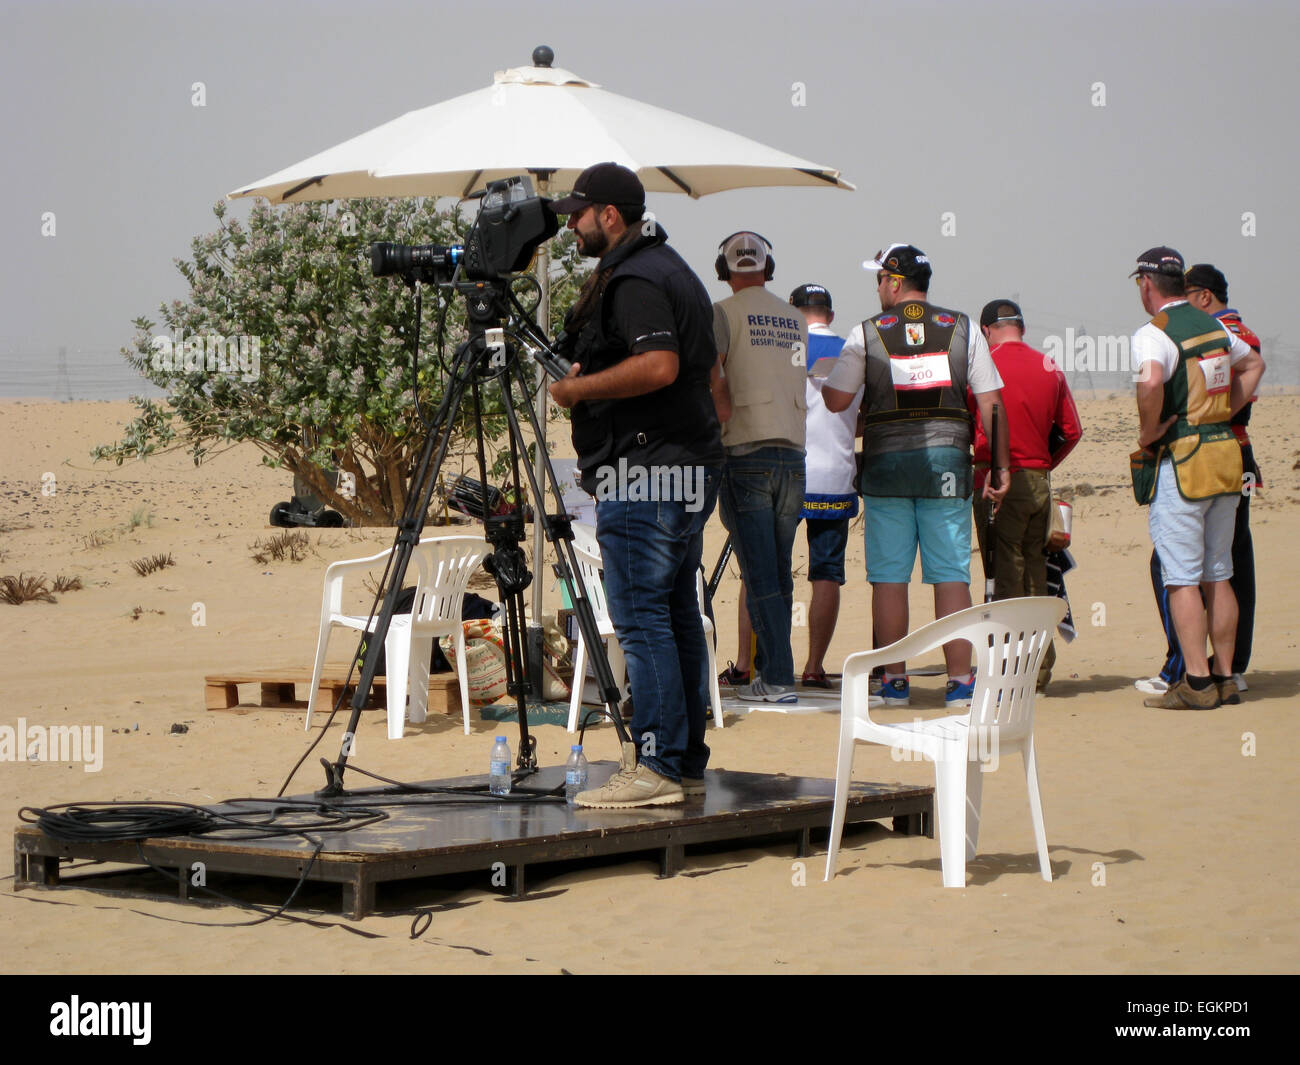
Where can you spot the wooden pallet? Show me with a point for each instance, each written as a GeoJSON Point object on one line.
{"type": "Point", "coordinates": [279, 690]}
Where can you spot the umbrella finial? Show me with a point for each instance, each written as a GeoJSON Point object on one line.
{"type": "Point", "coordinates": [543, 56]}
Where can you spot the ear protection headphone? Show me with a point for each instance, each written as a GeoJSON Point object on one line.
{"type": "Point", "coordinates": [720, 263]}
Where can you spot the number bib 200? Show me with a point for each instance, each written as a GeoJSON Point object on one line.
{"type": "Point", "coordinates": [920, 371]}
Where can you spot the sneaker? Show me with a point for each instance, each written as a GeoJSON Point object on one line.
{"type": "Point", "coordinates": [731, 677]}
{"type": "Point", "coordinates": [1182, 696]}
{"type": "Point", "coordinates": [1152, 686]}
{"type": "Point", "coordinates": [1240, 682]}
{"type": "Point", "coordinates": [640, 787]}
{"type": "Point", "coordinates": [1228, 691]}
{"type": "Point", "coordinates": [693, 787]}
{"type": "Point", "coordinates": [958, 694]}
{"type": "Point", "coordinates": [816, 680]}
{"type": "Point", "coordinates": [761, 692]}
{"type": "Point", "coordinates": [896, 692]}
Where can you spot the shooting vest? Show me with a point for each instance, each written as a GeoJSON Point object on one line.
{"type": "Point", "coordinates": [675, 425]}
{"type": "Point", "coordinates": [915, 401]}
{"type": "Point", "coordinates": [1201, 445]}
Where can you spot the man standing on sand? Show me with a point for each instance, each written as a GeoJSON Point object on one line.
{"type": "Point", "coordinates": [1038, 401]}
{"type": "Point", "coordinates": [640, 394]}
{"type": "Point", "coordinates": [762, 346]}
{"type": "Point", "coordinates": [1207, 290]}
{"type": "Point", "coordinates": [1193, 375]}
{"type": "Point", "coordinates": [830, 501]}
{"type": "Point", "coordinates": [916, 361]}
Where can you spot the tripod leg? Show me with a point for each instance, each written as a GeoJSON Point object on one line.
{"type": "Point", "coordinates": [408, 536]}
{"type": "Point", "coordinates": [561, 535]}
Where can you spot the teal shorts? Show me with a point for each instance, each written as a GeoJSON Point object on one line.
{"type": "Point", "coordinates": [896, 526]}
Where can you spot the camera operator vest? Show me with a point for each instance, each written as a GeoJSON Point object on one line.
{"type": "Point", "coordinates": [675, 425]}
{"type": "Point", "coordinates": [915, 401]}
{"type": "Point", "coordinates": [1204, 451]}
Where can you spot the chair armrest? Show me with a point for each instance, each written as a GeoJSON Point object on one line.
{"type": "Point", "coordinates": [332, 595]}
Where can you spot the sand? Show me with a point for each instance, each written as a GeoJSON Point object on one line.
{"type": "Point", "coordinates": [1171, 835]}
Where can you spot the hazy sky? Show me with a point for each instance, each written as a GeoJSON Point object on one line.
{"type": "Point", "coordinates": [1030, 148]}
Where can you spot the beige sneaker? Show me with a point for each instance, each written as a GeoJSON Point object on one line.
{"type": "Point", "coordinates": [1229, 692]}
{"type": "Point", "coordinates": [1182, 696]}
{"type": "Point", "coordinates": [693, 787]}
{"type": "Point", "coordinates": [639, 787]}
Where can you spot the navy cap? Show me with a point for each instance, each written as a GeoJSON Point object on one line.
{"type": "Point", "coordinates": [1161, 260]}
{"type": "Point", "coordinates": [1001, 311]}
{"type": "Point", "coordinates": [811, 296]}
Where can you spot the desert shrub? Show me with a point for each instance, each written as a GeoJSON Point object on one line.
{"type": "Point", "coordinates": [151, 563]}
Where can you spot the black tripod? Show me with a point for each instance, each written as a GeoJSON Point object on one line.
{"type": "Point", "coordinates": [489, 354]}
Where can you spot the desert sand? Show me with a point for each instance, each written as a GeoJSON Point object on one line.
{"type": "Point", "coordinates": [1171, 834]}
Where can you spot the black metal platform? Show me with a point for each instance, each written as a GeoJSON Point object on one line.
{"type": "Point", "coordinates": [427, 837]}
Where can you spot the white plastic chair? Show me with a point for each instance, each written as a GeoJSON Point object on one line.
{"type": "Point", "coordinates": [442, 566]}
{"type": "Point", "coordinates": [1009, 638]}
{"type": "Point", "coordinates": [587, 549]}
{"type": "Point", "coordinates": [715, 696]}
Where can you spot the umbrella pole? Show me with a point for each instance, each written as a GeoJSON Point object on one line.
{"type": "Point", "coordinates": [540, 404]}
{"type": "Point", "coordinates": [536, 638]}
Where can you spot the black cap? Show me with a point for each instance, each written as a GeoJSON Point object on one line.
{"type": "Point", "coordinates": [1161, 260]}
{"type": "Point", "coordinates": [603, 183]}
{"type": "Point", "coordinates": [1205, 276]}
{"type": "Point", "coordinates": [999, 311]}
{"type": "Point", "coordinates": [811, 296]}
{"type": "Point", "coordinates": [906, 260]}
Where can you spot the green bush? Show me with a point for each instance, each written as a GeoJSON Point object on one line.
{"type": "Point", "coordinates": [289, 343]}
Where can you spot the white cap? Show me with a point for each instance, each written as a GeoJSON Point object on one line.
{"type": "Point", "coordinates": [745, 252]}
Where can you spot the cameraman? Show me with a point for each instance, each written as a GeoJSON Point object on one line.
{"type": "Point", "coordinates": [650, 450]}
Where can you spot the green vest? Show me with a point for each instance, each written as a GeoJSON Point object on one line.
{"type": "Point", "coordinates": [1205, 454]}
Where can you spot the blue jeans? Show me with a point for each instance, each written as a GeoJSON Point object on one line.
{"type": "Point", "coordinates": [650, 552]}
{"type": "Point", "coordinates": [761, 501]}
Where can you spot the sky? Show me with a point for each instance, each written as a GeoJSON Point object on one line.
{"type": "Point", "coordinates": [1031, 150]}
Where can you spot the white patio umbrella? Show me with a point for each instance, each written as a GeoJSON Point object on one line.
{"type": "Point", "coordinates": [553, 124]}
{"type": "Point", "coordinates": [549, 122]}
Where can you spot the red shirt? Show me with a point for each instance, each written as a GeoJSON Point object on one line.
{"type": "Point", "coordinates": [1035, 397]}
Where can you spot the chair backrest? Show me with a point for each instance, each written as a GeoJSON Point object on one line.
{"type": "Point", "coordinates": [1009, 638]}
{"type": "Point", "coordinates": [443, 567]}
{"type": "Point", "coordinates": [587, 549]}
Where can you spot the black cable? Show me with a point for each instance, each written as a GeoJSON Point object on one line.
{"type": "Point", "coordinates": [105, 821]}
{"type": "Point", "coordinates": [465, 790]}
{"type": "Point", "coordinates": [258, 907]}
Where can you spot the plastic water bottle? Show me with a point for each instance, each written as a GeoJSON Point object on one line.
{"type": "Point", "coordinates": [575, 774]}
{"type": "Point", "coordinates": [499, 768]}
